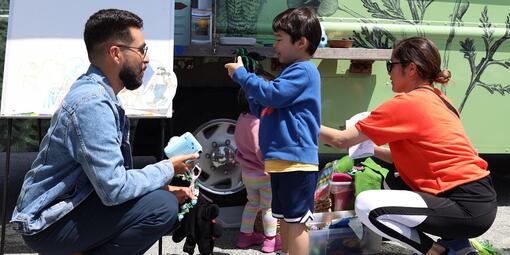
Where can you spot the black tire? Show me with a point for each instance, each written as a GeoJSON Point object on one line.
{"type": "Point", "coordinates": [221, 175]}
{"type": "Point", "coordinates": [199, 100]}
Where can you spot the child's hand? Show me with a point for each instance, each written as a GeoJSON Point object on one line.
{"type": "Point", "coordinates": [179, 162]}
{"type": "Point", "coordinates": [232, 67]}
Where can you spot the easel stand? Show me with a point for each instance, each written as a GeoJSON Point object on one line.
{"type": "Point", "coordinates": [39, 126]}
{"type": "Point", "coordinates": [6, 181]}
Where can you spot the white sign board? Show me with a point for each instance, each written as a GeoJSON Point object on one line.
{"type": "Point", "coordinates": [45, 54]}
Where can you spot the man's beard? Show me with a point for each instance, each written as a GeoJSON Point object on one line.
{"type": "Point", "coordinates": [129, 78]}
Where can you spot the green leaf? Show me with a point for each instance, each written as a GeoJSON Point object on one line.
{"type": "Point", "coordinates": [245, 60]}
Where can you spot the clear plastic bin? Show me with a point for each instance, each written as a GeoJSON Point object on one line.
{"type": "Point", "coordinates": [343, 193]}
{"type": "Point", "coordinates": [340, 240]}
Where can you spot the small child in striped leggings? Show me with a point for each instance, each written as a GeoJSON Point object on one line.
{"type": "Point", "coordinates": [257, 183]}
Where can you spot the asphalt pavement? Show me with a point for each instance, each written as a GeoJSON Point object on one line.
{"type": "Point", "coordinates": [498, 235]}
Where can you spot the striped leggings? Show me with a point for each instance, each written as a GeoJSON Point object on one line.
{"type": "Point", "coordinates": [258, 189]}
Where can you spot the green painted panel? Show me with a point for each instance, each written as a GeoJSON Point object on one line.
{"type": "Point", "coordinates": [343, 95]}
{"type": "Point", "coordinates": [473, 37]}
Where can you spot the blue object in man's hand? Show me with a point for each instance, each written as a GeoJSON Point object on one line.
{"type": "Point", "coordinates": [181, 145]}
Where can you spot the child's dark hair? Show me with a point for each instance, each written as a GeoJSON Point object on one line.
{"type": "Point", "coordinates": [243, 102]}
{"type": "Point", "coordinates": [300, 22]}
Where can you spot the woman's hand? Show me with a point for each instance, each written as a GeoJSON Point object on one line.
{"type": "Point", "coordinates": [232, 67]}
{"type": "Point", "coordinates": [383, 154]}
{"type": "Point", "coordinates": [179, 162]}
{"type": "Point", "coordinates": [181, 193]}
{"type": "Point", "coordinates": [341, 138]}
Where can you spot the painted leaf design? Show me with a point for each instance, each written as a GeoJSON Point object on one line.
{"type": "Point", "coordinates": [327, 8]}
{"type": "Point", "coordinates": [234, 16]}
{"type": "Point", "coordinates": [242, 16]}
{"type": "Point", "coordinates": [377, 12]}
{"type": "Point", "coordinates": [486, 25]}
{"type": "Point", "coordinates": [496, 88]}
{"type": "Point", "coordinates": [378, 38]}
{"type": "Point", "coordinates": [468, 48]}
{"type": "Point", "coordinates": [422, 5]}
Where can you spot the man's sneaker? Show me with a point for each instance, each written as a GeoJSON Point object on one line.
{"type": "Point", "coordinates": [459, 246]}
{"type": "Point", "coordinates": [271, 245]}
{"type": "Point", "coordinates": [245, 241]}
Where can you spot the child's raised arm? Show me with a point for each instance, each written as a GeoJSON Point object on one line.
{"type": "Point", "coordinates": [232, 67]}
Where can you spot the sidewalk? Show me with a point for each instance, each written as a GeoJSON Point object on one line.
{"type": "Point", "coordinates": [498, 235]}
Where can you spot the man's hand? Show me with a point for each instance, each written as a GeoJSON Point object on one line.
{"type": "Point", "coordinates": [180, 167]}
{"type": "Point", "coordinates": [181, 193]}
{"type": "Point", "coordinates": [232, 67]}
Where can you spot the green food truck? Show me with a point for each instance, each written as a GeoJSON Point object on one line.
{"type": "Point", "coordinates": [472, 37]}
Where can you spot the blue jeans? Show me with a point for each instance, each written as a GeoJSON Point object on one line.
{"type": "Point", "coordinates": [93, 228]}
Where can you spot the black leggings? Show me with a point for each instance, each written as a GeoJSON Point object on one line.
{"type": "Point", "coordinates": [464, 212]}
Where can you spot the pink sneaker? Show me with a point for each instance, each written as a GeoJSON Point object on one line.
{"type": "Point", "coordinates": [271, 245]}
{"type": "Point", "coordinates": [245, 241]}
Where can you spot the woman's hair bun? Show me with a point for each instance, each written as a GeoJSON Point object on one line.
{"type": "Point", "coordinates": [443, 76]}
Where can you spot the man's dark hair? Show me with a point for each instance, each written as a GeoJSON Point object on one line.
{"type": "Point", "coordinates": [109, 25]}
{"type": "Point", "coordinates": [299, 22]}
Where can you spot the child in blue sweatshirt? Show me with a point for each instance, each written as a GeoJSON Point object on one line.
{"type": "Point", "coordinates": [289, 111]}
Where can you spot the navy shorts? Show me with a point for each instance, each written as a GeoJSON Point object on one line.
{"type": "Point", "coordinates": [293, 195]}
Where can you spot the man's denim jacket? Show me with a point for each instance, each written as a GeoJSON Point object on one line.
{"type": "Point", "coordinates": [86, 149]}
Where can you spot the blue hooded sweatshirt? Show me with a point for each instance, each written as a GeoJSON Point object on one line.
{"type": "Point", "coordinates": [289, 111]}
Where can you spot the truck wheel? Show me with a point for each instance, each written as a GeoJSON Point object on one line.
{"type": "Point", "coordinates": [221, 175]}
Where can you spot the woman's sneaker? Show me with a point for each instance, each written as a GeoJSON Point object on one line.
{"type": "Point", "coordinates": [459, 246]}
{"type": "Point", "coordinates": [484, 247]}
{"type": "Point", "coordinates": [271, 245]}
{"type": "Point", "coordinates": [245, 241]}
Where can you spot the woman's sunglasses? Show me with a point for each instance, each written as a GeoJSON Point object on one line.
{"type": "Point", "coordinates": [389, 64]}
